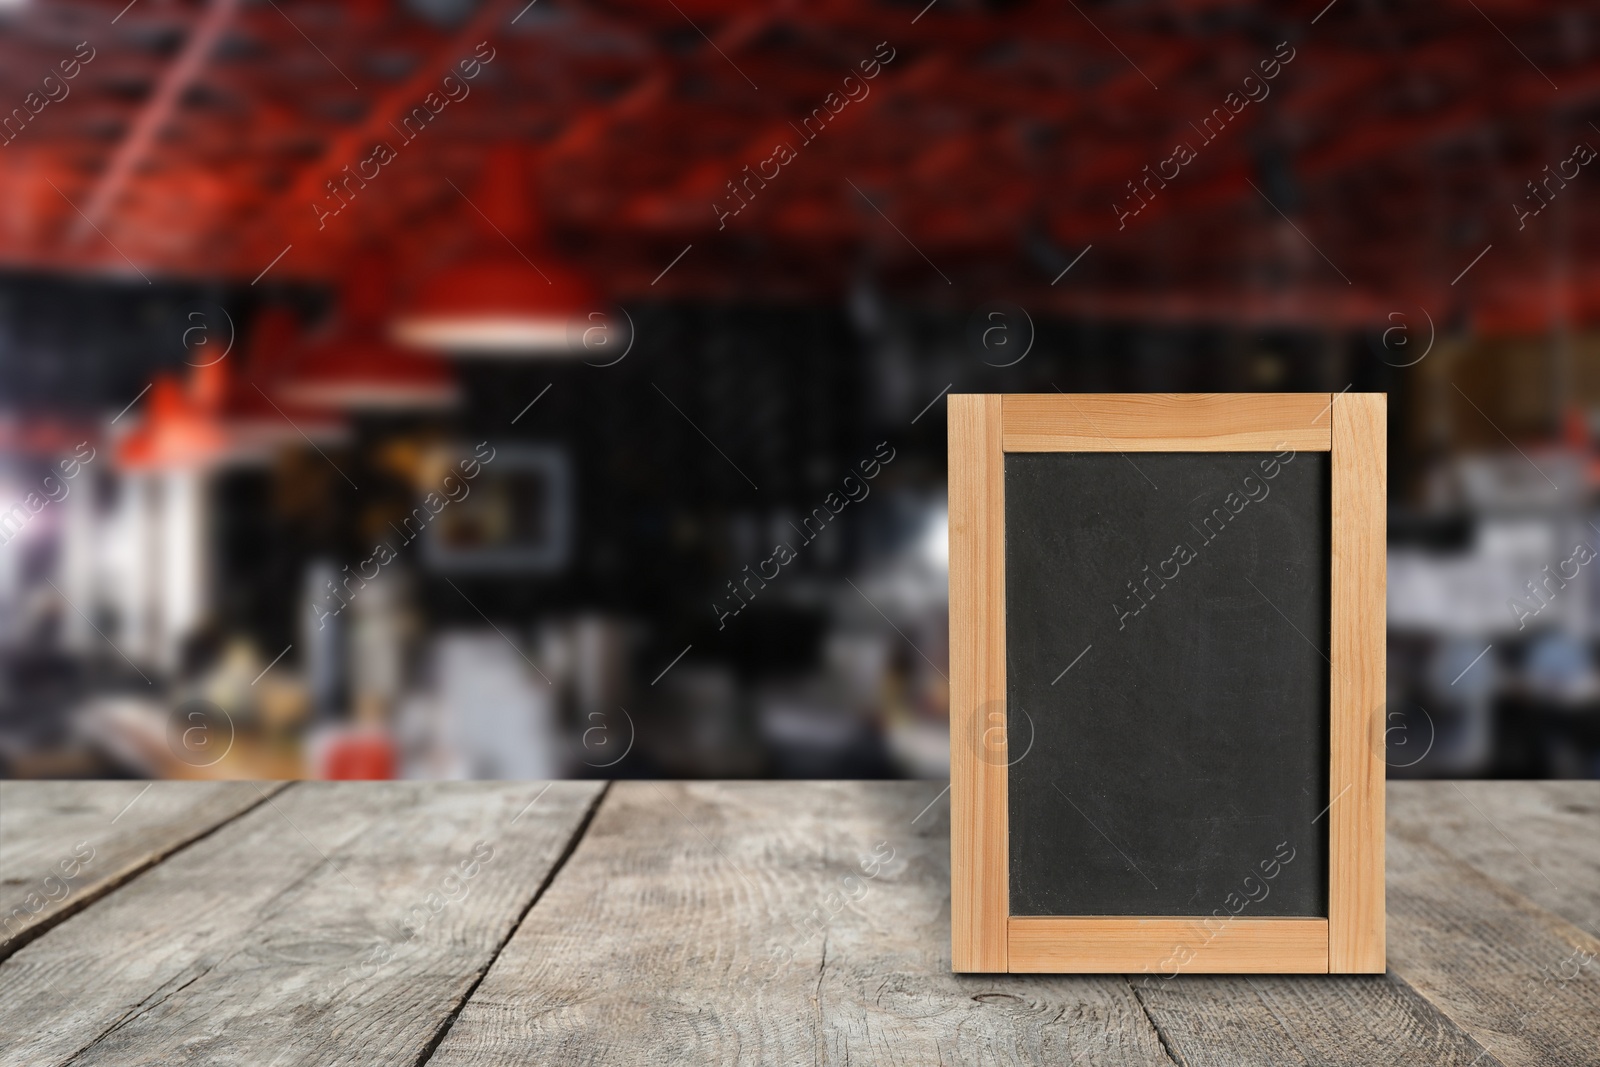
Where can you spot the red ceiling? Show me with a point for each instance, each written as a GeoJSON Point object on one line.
{"type": "Point", "coordinates": [991, 150]}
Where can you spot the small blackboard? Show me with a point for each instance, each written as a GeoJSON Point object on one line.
{"type": "Point", "coordinates": [1166, 691]}
{"type": "Point", "coordinates": [1167, 682]}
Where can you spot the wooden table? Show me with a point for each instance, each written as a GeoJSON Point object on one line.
{"type": "Point", "coordinates": [460, 924]}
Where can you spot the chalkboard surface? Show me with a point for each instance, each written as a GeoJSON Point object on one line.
{"type": "Point", "coordinates": [1167, 691]}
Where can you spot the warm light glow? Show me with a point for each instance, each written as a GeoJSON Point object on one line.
{"type": "Point", "coordinates": [488, 335]}
{"type": "Point", "coordinates": [371, 396]}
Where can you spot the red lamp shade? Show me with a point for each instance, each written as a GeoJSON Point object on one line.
{"type": "Point", "coordinates": [499, 306]}
{"type": "Point", "coordinates": [351, 371]}
{"type": "Point", "coordinates": [178, 431]}
{"type": "Point", "coordinates": [510, 296]}
{"type": "Point", "coordinates": [218, 419]}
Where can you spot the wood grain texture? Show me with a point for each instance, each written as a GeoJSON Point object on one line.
{"type": "Point", "coordinates": [1522, 980]}
{"type": "Point", "coordinates": [1267, 1021]}
{"type": "Point", "coordinates": [777, 922]}
{"type": "Point", "coordinates": [1540, 838]}
{"type": "Point", "coordinates": [703, 923]}
{"type": "Point", "coordinates": [1101, 945]}
{"type": "Point", "coordinates": [980, 896]}
{"type": "Point", "coordinates": [65, 844]}
{"type": "Point", "coordinates": [1166, 422]}
{"type": "Point", "coordinates": [315, 929]}
{"type": "Point", "coordinates": [1356, 682]}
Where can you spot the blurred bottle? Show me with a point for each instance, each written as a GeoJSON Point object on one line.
{"type": "Point", "coordinates": [321, 637]}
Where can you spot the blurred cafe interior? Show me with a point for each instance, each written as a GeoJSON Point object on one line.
{"type": "Point", "coordinates": [454, 388]}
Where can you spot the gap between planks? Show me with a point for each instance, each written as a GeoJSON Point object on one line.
{"type": "Point", "coordinates": [1161, 1035]}
{"type": "Point", "coordinates": [578, 834]}
{"type": "Point", "coordinates": [98, 891]}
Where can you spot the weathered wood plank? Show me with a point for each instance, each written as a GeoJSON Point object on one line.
{"type": "Point", "coordinates": [1540, 838]}
{"type": "Point", "coordinates": [755, 922]}
{"type": "Point", "coordinates": [1369, 1021]}
{"type": "Point", "coordinates": [1521, 980]}
{"type": "Point", "coordinates": [1383, 1020]}
{"type": "Point", "coordinates": [772, 922]}
{"type": "Point", "coordinates": [65, 844]}
{"type": "Point", "coordinates": [316, 929]}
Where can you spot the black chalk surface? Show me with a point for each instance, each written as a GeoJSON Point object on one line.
{"type": "Point", "coordinates": [1167, 691]}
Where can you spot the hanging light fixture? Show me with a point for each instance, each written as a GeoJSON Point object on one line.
{"type": "Point", "coordinates": [180, 429]}
{"type": "Point", "coordinates": [352, 366]}
{"type": "Point", "coordinates": [217, 418]}
{"type": "Point", "coordinates": [509, 296]}
{"type": "Point", "coordinates": [496, 306]}
{"type": "Point", "coordinates": [261, 419]}
{"type": "Point", "coordinates": [369, 374]}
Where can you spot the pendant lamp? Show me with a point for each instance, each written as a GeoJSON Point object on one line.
{"type": "Point", "coordinates": [350, 365]}
{"type": "Point", "coordinates": [179, 430]}
{"type": "Point", "coordinates": [229, 411]}
{"type": "Point", "coordinates": [508, 296]}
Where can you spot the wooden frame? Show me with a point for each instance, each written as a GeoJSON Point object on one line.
{"type": "Point", "coordinates": [985, 937]}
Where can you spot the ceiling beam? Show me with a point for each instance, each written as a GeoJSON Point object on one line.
{"type": "Point", "coordinates": [288, 212]}
{"type": "Point", "coordinates": [147, 125]}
